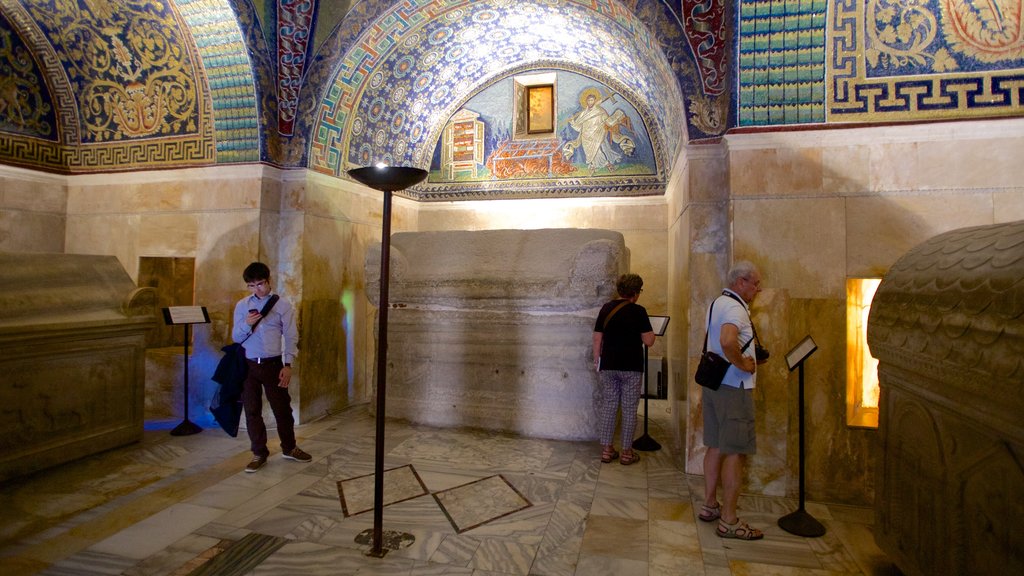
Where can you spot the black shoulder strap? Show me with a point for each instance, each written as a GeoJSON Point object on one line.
{"type": "Point", "coordinates": [263, 314]}
{"type": "Point", "coordinates": [712, 310]}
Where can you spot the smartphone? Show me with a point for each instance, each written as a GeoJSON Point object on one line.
{"type": "Point", "coordinates": [253, 310]}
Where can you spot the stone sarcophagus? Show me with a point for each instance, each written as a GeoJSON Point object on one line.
{"type": "Point", "coordinates": [947, 326]}
{"type": "Point", "coordinates": [72, 355]}
{"type": "Point", "coordinates": [493, 329]}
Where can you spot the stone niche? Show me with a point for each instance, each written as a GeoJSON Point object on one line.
{"type": "Point", "coordinates": [947, 326]}
{"type": "Point", "coordinates": [493, 329]}
{"type": "Point", "coordinates": [72, 352]}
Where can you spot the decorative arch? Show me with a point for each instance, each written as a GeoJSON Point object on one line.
{"type": "Point", "coordinates": [397, 85]}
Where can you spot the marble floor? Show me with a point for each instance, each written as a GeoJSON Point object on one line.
{"type": "Point", "coordinates": [457, 502]}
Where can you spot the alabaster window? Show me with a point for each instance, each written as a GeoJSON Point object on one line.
{"type": "Point", "coordinates": [861, 367]}
{"type": "Point", "coordinates": [535, 104]}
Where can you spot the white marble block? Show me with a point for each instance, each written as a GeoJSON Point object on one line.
{"type": "Point", "coordinates": [493, 329]}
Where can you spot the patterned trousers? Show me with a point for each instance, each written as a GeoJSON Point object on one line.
{"type": "Point", "coordinates": [618, 388]}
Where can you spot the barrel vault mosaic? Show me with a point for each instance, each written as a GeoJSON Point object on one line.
{"type": "Point", "coordinates": [100, 86]}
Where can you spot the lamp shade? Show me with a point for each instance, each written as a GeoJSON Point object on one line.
{"type": "Point", "coordinates": [388, 178]}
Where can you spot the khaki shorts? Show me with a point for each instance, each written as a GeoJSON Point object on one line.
{"type": "Point", "coordinates": [729, 420]}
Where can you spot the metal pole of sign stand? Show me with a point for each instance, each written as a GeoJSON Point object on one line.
{"type": "Point", "coordinates": [186, 316]}
{"type": "Point", "coordinates": [801, 522]}
{"type": "Point", "coordinates": [187, 427]}
{"type": "Point", "coordinates": [645, 442]}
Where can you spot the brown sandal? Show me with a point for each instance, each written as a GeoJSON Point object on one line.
{"type": "Point", "coordinates": [710, 513]}
{"type": "Point", "coordinates": [628, 458]}
{"type": "Point", "coordinates": [608, 455]}
{"type": "Point", "coordinates": [740, 531]}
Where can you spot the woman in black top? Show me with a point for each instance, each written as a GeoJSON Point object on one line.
{"type": "Point", "coordinates": [620, 333]}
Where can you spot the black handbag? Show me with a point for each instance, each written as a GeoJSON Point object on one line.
{"type": "Point", "coordinates": [711, 368]}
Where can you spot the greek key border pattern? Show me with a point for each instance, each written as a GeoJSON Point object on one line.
{"type": "Point", "coordinates": [852, 97]}
{"type": "Point", "coordinates": [129, 155]}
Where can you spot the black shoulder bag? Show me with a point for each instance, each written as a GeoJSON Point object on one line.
{"type": "Point", "coordinates": [712, 368]}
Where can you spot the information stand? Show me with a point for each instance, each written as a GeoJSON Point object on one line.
{"type": "Point", "coordinates": [186, 316]}
{"type": "Point", "coordinates": [801, 522]}
{"type": "Point", "coordinates": [645, 442]}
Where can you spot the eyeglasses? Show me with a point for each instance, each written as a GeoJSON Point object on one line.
{"type": "Point", "coordinates": [259, 284]}
{"type": "Point", "coordinates": [756, 284]}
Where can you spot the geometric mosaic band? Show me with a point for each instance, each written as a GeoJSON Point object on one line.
{"type": "Point", "coordinates": [84, 158]}
{"type": "Point", "coordinates": [917, 80]}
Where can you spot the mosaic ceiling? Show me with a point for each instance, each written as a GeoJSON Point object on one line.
{"type": "Point", "coordinates": [105, 85]}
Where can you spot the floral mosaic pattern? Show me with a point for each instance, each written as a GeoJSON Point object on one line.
{"type": "Point", "coordinates": [25, 106]}
{"type": "Point", "coordinates": [927, 59]}
{"type": "Point", "coordinates": [132, 72]}
{"type": "Point", "coordinates": [942, 36]}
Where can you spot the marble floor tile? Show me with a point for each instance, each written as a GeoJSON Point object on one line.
{"type": "Point", "coordinates": [157, 532]}
{"type": "Point", "coordinates": [616, 538]}
{"type": "Point", "coordinates": [505, 556]}
{"type": "Point", "coordinates": [465, 503]}
{"type": "Point", "coordinates": [358, 494]}
{"type": "Point", "coordinates": [479, 502]}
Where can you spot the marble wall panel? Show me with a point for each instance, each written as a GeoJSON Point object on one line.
{"type": "Point", "coordinates": [894, 166]}
{"type": "Point", "coordinates": [882, 228]}
{"type": "Point", "coordinates": [20, 190]}
{"type": "Point", "coordinates": [845, 170]}
{"type": "Point", "coordinates": [32, 211]}
{"type": "Point", "coordinates": [164, 233]}
{"type": "Point", "coordinates": [799, 244]}
{"type": "Point", "coordinates": [1008, 205]}
{"type": "Point", "coordinates": [839, 460]}
{"type": "Point", "coordinates": [975, 160]}
{"type": "Point", "coordinates": [31, 232]}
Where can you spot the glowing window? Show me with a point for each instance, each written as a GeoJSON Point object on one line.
{"type": "Point", "coordinates": [861, 367]}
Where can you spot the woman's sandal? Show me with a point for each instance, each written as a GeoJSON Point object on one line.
{"type": "Point", "coordinates": [740, 530]}
{"type": "Point", "coordinates": [608, 455]}
{"type": "Point", "coordinates": [710, 513]}
{"type": "Point", "coordinates": [628, 458]}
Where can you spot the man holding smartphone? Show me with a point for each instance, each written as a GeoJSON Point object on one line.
{"type": "Point", "coordinates": [271, 344]}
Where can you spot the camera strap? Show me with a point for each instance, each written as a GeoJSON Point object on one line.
{"type": "Point", "coordinates": [752, 327]}
{"type": "Point", "coordinates": [712, 310]}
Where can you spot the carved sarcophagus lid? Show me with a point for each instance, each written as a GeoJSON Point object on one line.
{"type": "Point", "coordinates": [947, 326]}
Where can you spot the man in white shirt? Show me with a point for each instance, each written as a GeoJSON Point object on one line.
{"type": "Point", "coordinates": [729, 410]}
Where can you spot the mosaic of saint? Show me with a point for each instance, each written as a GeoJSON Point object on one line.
{"type": "Point", "coordinates": [597, 133]}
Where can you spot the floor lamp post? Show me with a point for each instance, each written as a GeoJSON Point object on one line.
{"type": "Point", "coordinates": [387, 179]}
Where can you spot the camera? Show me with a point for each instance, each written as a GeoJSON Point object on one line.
{"type": "Point", "coordinates": [761, 352]}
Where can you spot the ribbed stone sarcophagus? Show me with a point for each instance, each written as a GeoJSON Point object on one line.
{"type": "Point", "coordinates": [947, 326]}
{"type": "Point", "coordinates": [493, 329]}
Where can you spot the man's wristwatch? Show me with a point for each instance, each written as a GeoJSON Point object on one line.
{"type": "Point", "coordinates": [288, 364]}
